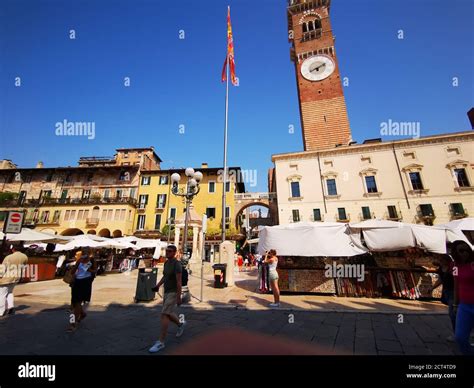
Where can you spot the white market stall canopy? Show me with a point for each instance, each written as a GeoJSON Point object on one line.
{"type": "Point", "coordinates": [79, 241]}
{"type": "Point", "coordinates": [31, 235]}
{"type": "Point", "coordinates": [382, 235]}
{"type": "Point", "coordinates": [463, 224]}
{"type": "Point", "coordinates": [159, 249]}
{"type": "Point", "coordinates": [332, 239]}
{"type": "Point", "coordinates": [93, 241]}
{"type": "Point", "coordinates": [139, 243]}
{"type": "Point", "coordinates": [309, 239]}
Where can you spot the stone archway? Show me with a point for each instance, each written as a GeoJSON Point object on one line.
{"type": "Point", "coordinates": [117, 233]}
{"type": "Point", "coordinates": [71, 232]}
{"type": "Point", "coordinates": [267, 221]}
{"type": "Point", "coordinates": [244, 200]}
{"type": "Point", "coordinates": [92, 231]}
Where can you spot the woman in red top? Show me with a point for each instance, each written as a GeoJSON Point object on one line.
{"type": "Point", "coordinates": [463, 294]}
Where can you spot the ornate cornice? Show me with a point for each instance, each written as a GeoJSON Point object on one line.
{"type": "Point", "coordinates": [361, 148]}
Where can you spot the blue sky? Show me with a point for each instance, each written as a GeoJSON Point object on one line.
{"type": "Point", "coordinates": [176, 82]}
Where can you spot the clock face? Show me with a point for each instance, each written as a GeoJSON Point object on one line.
{"type": "Point", "coordinates": [318, 67]}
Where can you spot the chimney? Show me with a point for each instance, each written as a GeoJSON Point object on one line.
{"type": "Point", "coordinates": [204, 165]}
{"type": "Point", "coordinates": [39, 164]}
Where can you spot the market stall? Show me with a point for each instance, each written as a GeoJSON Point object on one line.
{"type": "Point", "coordinates": [387, 259]}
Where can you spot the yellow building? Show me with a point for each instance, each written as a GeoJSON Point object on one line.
{"type": "Point", "coordinates": [158, 207]}
{"type": "Point", "coordinates": [97, 197]}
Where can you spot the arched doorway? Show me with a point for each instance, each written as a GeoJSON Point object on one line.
{"type": "Point", "coordinates": [92, 231]}
{"type": "Point", "coordinates": [104, 233]}
{"type": "Point", "coordinates": [263, 218]}
{"type": "Point", "coordinates": [72, 232]}
{"type": "Point", "coordinates": [117, 233]}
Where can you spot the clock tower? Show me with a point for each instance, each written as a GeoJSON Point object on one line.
{"type": "Point", "coordinates": [323, 110]}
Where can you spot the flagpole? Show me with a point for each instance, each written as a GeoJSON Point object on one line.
{"type": "Point", "coordinates": [224, 184]}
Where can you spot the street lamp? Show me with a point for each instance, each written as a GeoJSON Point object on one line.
{"type": "Point", "coordinates": [188, 193]}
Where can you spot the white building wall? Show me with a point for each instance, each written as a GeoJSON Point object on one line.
{"type": "Point", "coordinates": [433, 157]}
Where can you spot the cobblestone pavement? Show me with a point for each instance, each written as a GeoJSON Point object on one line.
{"type": "Point", "coordinates": [131, 329]}
{"type": "Point", "coordinates": [235, 320]}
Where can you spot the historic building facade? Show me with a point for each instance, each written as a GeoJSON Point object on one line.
{"type": "Point", "coordinates": [427, 180]}
{"type": "Point", "coordinates": [158, 208]}
{"type": "Point", "coordinates": [420, 180]}
{"type": "Point", "coordinates": [99, 196]}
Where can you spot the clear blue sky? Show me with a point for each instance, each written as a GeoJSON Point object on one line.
{"type": "Point", "coordinates": [177, 82]}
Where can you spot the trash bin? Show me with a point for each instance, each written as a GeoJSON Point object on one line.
{"type": "Point", "coordinates": [145, 282]}
{"type": "Point", "coordinates": [220, 275]}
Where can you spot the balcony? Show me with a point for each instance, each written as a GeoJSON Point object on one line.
{"type": "Point", "coordinates": [312, 219]}
{"type": "Point", "coordinates": [426, 216]}
{"type": "Point", "coordinates": [92, 221]}
{"type": "Point", "coordinates": [88, 201]}
{"type": "Point", "coordinates": [363, 218]}
{"type": "Point", "coordinates": [310, 35]}
{"type": "Point", "coordinates": [393, 217]}
{"type": "Point", "coordinates": [47, 222]}
{"type": "Point", "coordinates": [160, 207]}
{"type": "Point", "coordinates": [346, 219]}
{"type": "Point", "coordinates": [457, 213]}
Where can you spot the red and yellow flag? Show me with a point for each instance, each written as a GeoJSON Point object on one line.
{"type": "Point", "coordinates": [230, 53]}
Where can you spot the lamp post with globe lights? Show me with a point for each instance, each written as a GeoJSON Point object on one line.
{"type": "Point", "coordinates": [188, 193]}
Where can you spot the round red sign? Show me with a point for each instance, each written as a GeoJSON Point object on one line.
{"type": "Point", "coordinates": [15, 217]}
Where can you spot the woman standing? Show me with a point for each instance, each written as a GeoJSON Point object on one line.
{"type": "Point", "coordinates": [463, 294]}
{"type": "Point", "coordinates": [84, 271]}
{"type": "Point", "coordinates": [272, 260]}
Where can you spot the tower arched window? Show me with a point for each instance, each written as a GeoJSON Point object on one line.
{"type": "Point", "coordinates": [305, 27]}
{"type": "Point", "coordinates": [310, 25]}
{"type": "Point", "coordinates": [317, 24]}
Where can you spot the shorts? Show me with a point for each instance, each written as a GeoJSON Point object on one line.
{"type": "Point", "coordinates": [169, 303]}
{"type": "Point", "coordinates": [81, 290]}
{"type": "Point", "coordinates": [273, 275]}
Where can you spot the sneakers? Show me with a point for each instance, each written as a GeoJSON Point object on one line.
{"type": "Point", "coordinates": [274, 304]}
{"type": "Point", "coordinates": [180, 331]}
{"type": "Point", "coordinates": [157, 347]}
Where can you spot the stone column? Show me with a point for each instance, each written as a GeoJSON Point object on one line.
{"type": "Point", "coordinates": [177, 231]}
{"type": "Point", "coordinates": [226, 253]}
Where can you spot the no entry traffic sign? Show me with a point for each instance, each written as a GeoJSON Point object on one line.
{"type": "Point", "coordinates": [13, 222]}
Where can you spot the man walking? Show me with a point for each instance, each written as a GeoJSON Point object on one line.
{"type": "Point", "coordinates": [10, 274]}
{"type": "Point", "coordinates": [172, 281]}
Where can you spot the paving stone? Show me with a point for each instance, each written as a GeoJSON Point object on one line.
{"type": "Point", "coordinates": [388, 346]}
{"type": "Point", "coordinates": [365, 346]}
